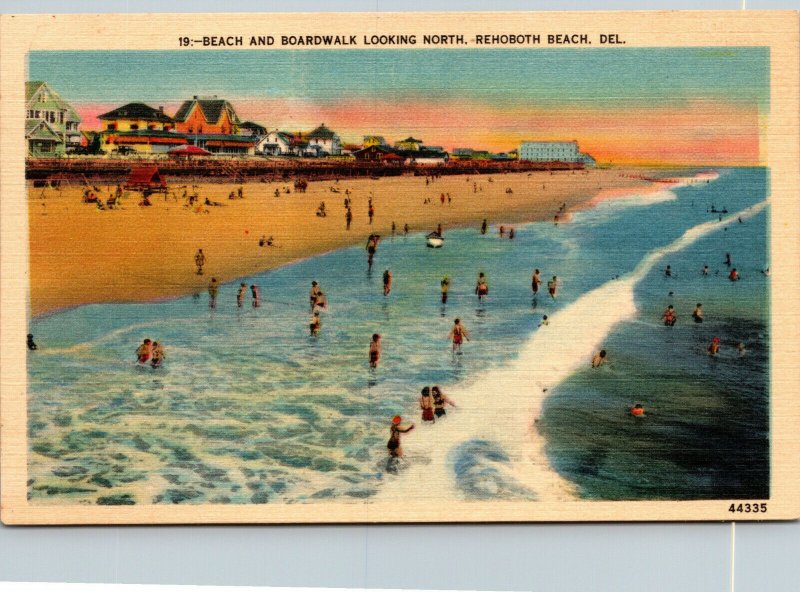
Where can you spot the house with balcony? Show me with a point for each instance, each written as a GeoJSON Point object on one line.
{"type": "Point", "coordinates": [207, 116]}
{"type": "Point", "coordinates": [51, 124]}
{"type": "Point", "coordinates": [329, 143]}
{"type": "Point", "coordinates": [139, 127]}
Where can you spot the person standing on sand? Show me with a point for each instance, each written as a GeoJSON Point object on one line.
{"type": "Point", "coordinates": [445, 287]}
{"type": "Point", "coordinates": [371, 212]}
{"type": "Point", "coordinates": [213, 289]}
{"type": "Point", "coordinates": [387, 282]}
{"type": "Point", "coordinates": [426, 404]}
{"type": "Point", "coordinates": [144, 352]}
{"type": "Point", "coordinates": [199, 261]}
{"type": "Point", "coordinates": [458, 334]}
{"type": "Point", "coordinates": [552, 287]}
{"type": "Point", "coordinates": [394, 228]}
{"type": "Point", "coordinates": [240, 294]}
{"type": "Point", "coordinates": [256, 295]}
{"type": "Point", "coordinates": [536, 281]}
{"type": "Point", "coordinates": [374, 350]}
{"type": "Point", "coordinates": [395, 450]}
{"type": "Point", "coordinates": [348, 218]}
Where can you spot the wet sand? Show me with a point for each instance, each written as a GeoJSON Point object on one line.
{"type": "Point", "coordinates": [81, 255]}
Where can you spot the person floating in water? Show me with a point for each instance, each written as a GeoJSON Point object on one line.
{"type": "Point", "coordinates": [387, 282]}
{"type": "Point", "coordinates": [314, 294]}
{"type": "Point", "coordinates": [213, 290]}
{"type": "Point", "coordinates": [445, 287]}
{"type": "Point", "coordinates": [374, 350]}
{"type": "Point", "coordinates": [395, 450]}
{"type": "Point", "coordinates": [484, 226]}
{"type": "Point", "coordinates": [552, 287]}
{"type": "Point", "coordinates": [158, 355]}
{"type": "Point", "coordinates": [240, 294]}
{"type": "Point", "coordinates": [599, 359]}
{"type": "Point", "coordinates": [199, 261]}
{"type": "Point", "coordinates": [670, 316]}
{"type": "Point", "coordinates": [458, 334]}
{"type": "Point", "coordinates": [668, 271]}
{"type": "Point", "coordinates": [256, 292]}
{"type": "Point", "coordinates": [439, 401]}
{"type": "Point", "coordinates": [697, 315]}
{"type": "Point", "coordinates": [713, 349]}
{"type": "Point", "coordinates": [481, 287]}
{"type": "Point", "coordinates": [536, 281]}
{"type": "Point", "coordinates": [426, 404]}
{"type": "Point", "coordinates": [545, 321]}
{"type": "Point", "coordinates": [316, 324]}
{"type": "Point", "coordinates": [637, 410]}
{"type": "Point", "coordinates": [144, 352]}
{"type": "Point", "coordinates": [733, 275]}
{"type": "Point", "coordinates": [372, 247]}
{"type": "Point", "coordinates": [31, 343]}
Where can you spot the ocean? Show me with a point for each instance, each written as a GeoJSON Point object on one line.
{"type": "Point", "coordinates": [249, 408]}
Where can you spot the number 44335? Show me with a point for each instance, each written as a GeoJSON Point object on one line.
{"type": "Point", "coordinates": [748, 508]}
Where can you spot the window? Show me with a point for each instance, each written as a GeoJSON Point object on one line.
{"type": "Point", "coordinates": [111, 126]}
{"type": "Point", "coordinates": [60, 117]}
{"type": "Point", "coordinates": [36, 115]}
{"type": "Point", "coordinates": [134, 126]}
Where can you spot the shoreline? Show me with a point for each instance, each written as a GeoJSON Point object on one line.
{"type": "Point", "coordinates": [115, 256]}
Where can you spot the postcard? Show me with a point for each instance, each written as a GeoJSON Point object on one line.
{"type": "Point", "coordinates": [353, 268]}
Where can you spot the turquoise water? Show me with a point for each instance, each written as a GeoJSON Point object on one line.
{"type": "Point", "coordinates": [249, 408]}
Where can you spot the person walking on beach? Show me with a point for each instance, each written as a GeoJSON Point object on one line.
{"type": "Point", "coordinates": [395, 450]}
{"type": "Point", "coordinates": [199, 261]}
{"type": "Point", "coordinates": [599, 359]}
{"type": "Point", "coordinates": [426, 404]}
{"type": "Point", "coordinates": [240, 294]}
{"type": "Point", "coordinates": [670, 317]}
{"type": "Point", "coordinates": [158, 355]}
{"type": "Point", "coordinates": [213, 289]}
{"type": "Point", "coordinates": [256, 292]}
{"type": "Point", "coordinates": [552, 287]}
{"type": "Point", "coordinates": [394, 228]}
{"type": "Point", "coordinates": [348, 218]}
{"type": "Point", "coordinates": [439, 401]}
{"type": "Point", "coordinates": [458, 334]}
{"type": "Point", "coordinates": [697, 315]}
{"type": "Point", "coordinates": [371, 212]}
{"type": "Point", "coordinates": [387, 282]}
{"type": "Point", "coordinates": [314, 294]}
{"type": "Point", "coordinates": [445, 287]}
{"type": "Point", "coordinates": [484, 226]}
{"type": "Point", "coordinates": [481, 287]}
{"type": "Point", "coordinates": [316, 324]}
{"type": "Point", "coordinates": [405, 229]}
{"type": "Point", "coordinates": [144, 352]}
{"type": "Point", "coordinates": [374, 350]}
{"type": "Point", "coordinates": [536, 281]}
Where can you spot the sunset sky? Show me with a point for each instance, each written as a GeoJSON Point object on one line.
{"type": "Point", "coordinates": [675, 106]}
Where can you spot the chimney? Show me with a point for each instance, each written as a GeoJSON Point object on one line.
{"type": "Point", "coordinates": [195, 97]}
{"type": "Point", "coordinates": [161, 108]}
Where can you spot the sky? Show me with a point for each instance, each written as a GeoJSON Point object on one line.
{"type": "Point", "coordinates": [695, 106]}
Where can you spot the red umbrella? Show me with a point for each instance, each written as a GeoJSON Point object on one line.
{"type": "Point", "coordinates": [188, 151]}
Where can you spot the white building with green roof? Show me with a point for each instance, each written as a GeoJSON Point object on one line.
{"type": "Point", "coordinates": [51, 124]}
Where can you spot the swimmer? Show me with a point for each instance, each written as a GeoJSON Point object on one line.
{"type": "Point", "coordinates": [158, 355]}
{"type": "Point", "coordinates": [669, 316]}
{"type": "Point", "coordinates": [256, 292]}
{"type": "Point", "coordinates": [599, 359]}
{"type": "Point", "coordinates": [484, 225]}
{"type": "Point", "coordinates": [668, 271]}
{"type": "Point", "coordinates": [733, 275]}
{"type": "Point", "coordinates": [374, 350]}
{"type": "Point", "coordinates": [395, 450]}
{"type": "Point", "coordinates": [458, 334]}
{"type": "Point", "coordinates": [144, 352]}
{"type": "Point", "coordinates": [387, 282]}
{"type": "Point", "coordinates": [705, 270]}
{"type": "Point", "coordinates": [481, 287]}
{"type": "Point", "coordinates": [713, 349]}
{"type": "Point", "coordinates": [552, 287]}
{"type": "Point", "coordinates": [439, 401]}
{"type": "Point", "coordinates": [426, 404]}
{"type": "Point", "coordinates": [314, 294]}
{"type": "Point", "coordinates": [740, 347]}
{"type": "Point", "coordinates": [637, 410]}
{"type": "Point", "coordinates": [240, 294]}
{"type": "Point", "coordinates": [321, 303]}
{"type": "Point", "coordinates": [536, 281]}
{"type": "Point", "coordinates": [445, 287]}
{"type": "Point", "coordinates": [697, 315]}
{"type": "Point", "coordinates": [316, 324]}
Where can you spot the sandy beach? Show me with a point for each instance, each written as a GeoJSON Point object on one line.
{"type": "Point", "coordinates": [81, 255]}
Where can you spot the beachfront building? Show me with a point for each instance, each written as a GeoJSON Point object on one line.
{"type": "Point", "coordinates": [224, 144]}
{"type": "Point", "coordinates": [551, 152]}
{"type": "Point", "coordinates": [207, 116]}
{"type": "Point", "coordinates": [377, 153]}
{"type": "Point", "coordinates": [409, 144]}
{"type": "Point", "coordinates": [329, 143]}
{"type": "Point", "coordinates": [251, 128]}
{"type": "Point", "coordinates": [463, 153]}
{"type": "Point", "coordinates": [139, 127]}
{"type": "Point", "coordinates": [51, 124]}
{"type": "Point", "coordinates": [374, 141]}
